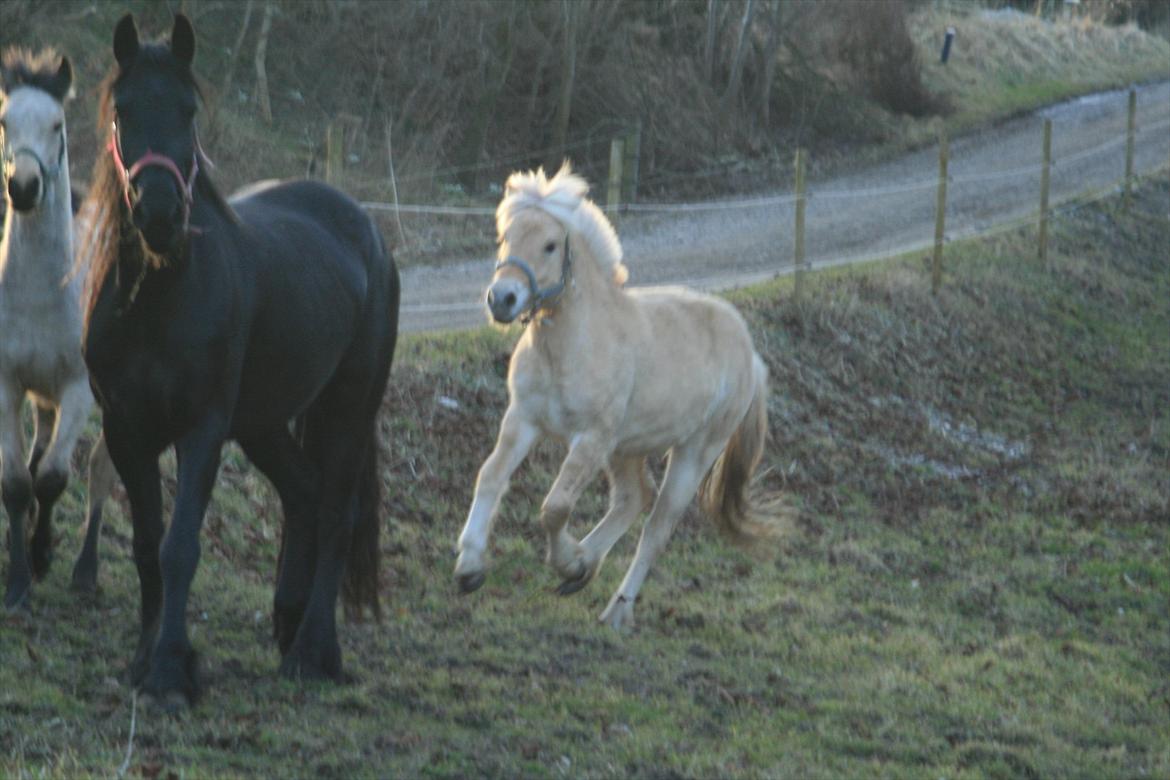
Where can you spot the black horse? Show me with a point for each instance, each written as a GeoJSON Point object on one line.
{"type": "Point", "coordinates": [211, 320]}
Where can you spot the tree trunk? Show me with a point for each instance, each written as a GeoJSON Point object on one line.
{"type": "Point", "coordinates": [709, 41]}
{"type": "Point", "coordinates": [235, 55]}
{"type": "Point", "coordinates": [771, 46]}
{"type": "Point", "coordinates": [260, 61]}
{"type": "Point", "coordinates": [737, 56]}
{"type": "Point", "coordinates": [570, 14]}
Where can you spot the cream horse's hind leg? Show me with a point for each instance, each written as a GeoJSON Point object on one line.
{"type": "Point", "coordinates": [631, 491]}
{"type": "Point", "coordinates": [516, 438]}
{"type": "Point", "coordinates": [683, 475]}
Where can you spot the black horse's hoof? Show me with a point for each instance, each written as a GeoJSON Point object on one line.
{"type": "Point", "coordinates": [40, 559]}
{"type": "Point", "coordinates": [166, 703]}
{"type": "Point", "coordinates": [469, 583]}
{"type": "Point", "coordinates": [311, 666]}
{"type": "Point", "coordinates": [16, 600]}
{"type": "Point", "coordinates": [84, 583]}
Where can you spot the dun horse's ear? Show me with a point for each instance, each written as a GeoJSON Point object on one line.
{"type": "Point", "coordinates": [183, 40]}
{"type": "Point", "coordinates": [62, 86]}
{"type": "Point", "coordinates": [125, 41]}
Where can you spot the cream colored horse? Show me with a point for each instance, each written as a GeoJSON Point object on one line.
{"type": "Point", "coordinates": [619, 375]}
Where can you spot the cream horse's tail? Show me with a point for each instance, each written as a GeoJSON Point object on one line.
{"type": "Point", "coordinates": [725, 492]}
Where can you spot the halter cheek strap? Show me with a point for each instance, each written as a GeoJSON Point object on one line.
{"type": "Point", "coordinates": [539, 298]}
{"type": "Point", "coordinates": [153, 159]}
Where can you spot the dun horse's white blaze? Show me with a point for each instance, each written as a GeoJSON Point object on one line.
{"type": "Point", "coordinates": [619, 375]}
{"type": "Point", "coordinates": [40, 323]}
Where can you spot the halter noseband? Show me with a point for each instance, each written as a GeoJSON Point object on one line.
{"type": "Point", "coordinates": [539, 298]}
{"type": "Point", "coordinates": [153, 159]}
{"type": "Point", "coordinates": [48, 175]}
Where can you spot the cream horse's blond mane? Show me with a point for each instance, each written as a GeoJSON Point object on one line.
{"type": "Point", "coordinates": [563, 198]}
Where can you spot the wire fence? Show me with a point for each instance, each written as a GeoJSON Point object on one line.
{"type": "Point", "coordinates": [974, 204]}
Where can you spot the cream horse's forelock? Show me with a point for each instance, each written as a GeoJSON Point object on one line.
{"type": "Point", "coordinates": [563, 198]}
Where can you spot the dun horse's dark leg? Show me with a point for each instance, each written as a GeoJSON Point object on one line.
{"type": "Point", "coordinates": [98, 486]}
{"type": "Point", "coordinates": [280, 458]}
{"type": "Point", "coordinates": [138, 467]}
{"type": "Point", "coordinates": [173, 679]}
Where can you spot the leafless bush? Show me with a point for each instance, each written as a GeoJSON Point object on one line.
{"type": "Point", "coordinates": [876, 45]}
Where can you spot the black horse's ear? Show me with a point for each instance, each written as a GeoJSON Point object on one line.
{"type": "Point", "coordinates": [125, 41]}
{"type": "Point", "coordinates": [62, 84]}
{"type": "Point", "coordinates": [183, 40]}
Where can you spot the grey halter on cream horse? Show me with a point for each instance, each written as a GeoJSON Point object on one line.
{"type": "Point", "coordinates": [40, 319]}
{"type": "Point", "coordinates": [618, 375]}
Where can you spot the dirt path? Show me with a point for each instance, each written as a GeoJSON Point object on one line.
{"type": "Point", "coordinates": [875, 212]}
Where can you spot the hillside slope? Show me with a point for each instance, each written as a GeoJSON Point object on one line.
{"type": "Point", "coordinates": [976, 586]}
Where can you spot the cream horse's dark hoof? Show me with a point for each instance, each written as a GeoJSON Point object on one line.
{"type": "Point", "coordinates": [469, 583]}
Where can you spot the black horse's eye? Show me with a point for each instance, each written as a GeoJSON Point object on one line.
{"type": "Point", "coordinates": [550, 247]}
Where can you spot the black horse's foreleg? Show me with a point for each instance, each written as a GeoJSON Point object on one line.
{"type": "Point", "coordinates": [280, 458]}
{"type": "Point", "coordinates": [173, 665]}
{"type": "Point", "coordinates": [137, 465]}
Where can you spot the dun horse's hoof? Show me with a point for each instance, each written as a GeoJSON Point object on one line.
{"type": "Point", "coordinates": [470, 582]}
{"type": "Point", "coordinates": [569, 587]}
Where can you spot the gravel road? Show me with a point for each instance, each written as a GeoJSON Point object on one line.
{"type": "Point", "coordinates": [873, 212]}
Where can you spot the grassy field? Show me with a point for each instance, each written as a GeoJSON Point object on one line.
{"type": "Point", "coordinates": [977, 584]}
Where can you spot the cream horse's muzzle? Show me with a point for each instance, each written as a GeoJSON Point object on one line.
{"type": "Point", "coordinates": [509, 298]}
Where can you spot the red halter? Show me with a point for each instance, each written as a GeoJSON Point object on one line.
{"type": "Point", "coordinates": [156, 160]}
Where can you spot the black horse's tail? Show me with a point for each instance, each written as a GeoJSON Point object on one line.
{"type": "Point", "coordinates": [359, 589]}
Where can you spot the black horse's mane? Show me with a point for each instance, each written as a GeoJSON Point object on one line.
{"type": "Point", "coordinates": [111, 231]}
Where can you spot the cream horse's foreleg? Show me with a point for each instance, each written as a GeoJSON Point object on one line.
{"type": "Point", "coordinates": [587, 455]}
{"type": "Point", "coordinates": [683, 474]}
{"type": "Point", "coordinates": [52, 472]}
{"type": "Point", "coordinates": [16, 493]}
{"type": "Point", "coordinates": [517, 435]}
{"type": "Point", "coordinates": [631, 491]}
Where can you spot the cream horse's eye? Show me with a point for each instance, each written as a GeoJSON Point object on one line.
{"type": "Point", "coordinates": [57, 126]}
{"type": "Point", "coordinates": [550, 247]}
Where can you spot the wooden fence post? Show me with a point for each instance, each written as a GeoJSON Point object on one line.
{"type": "Point", "coordinates": [632, 163]}
{"type": "Point", "coordinates": [1129, 133]}
{"type": "Point", "coordinates": [613, 198]}
{"type": "Point", "coordinates": [1044, 172]}
{"type": "Point", "coordinates": [940, 212]}
{"type": "Point", "coordinates": [798, 241]}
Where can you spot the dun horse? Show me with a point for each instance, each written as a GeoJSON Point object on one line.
{"type": "Point", "coordinates": [40, 324]}
{"type": "Point", "coordinates": [213, 320]}
{"type": "Point", "coordinates": [619, 375]}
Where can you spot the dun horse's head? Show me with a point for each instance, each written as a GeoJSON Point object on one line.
{"type": "Point", "coordinates": [153, 99]}
{"type": "Point", "coordinates": [533, 266]}
{"type": "Point", "coordinates": [33, 91]}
